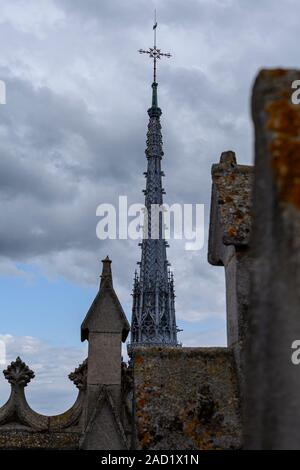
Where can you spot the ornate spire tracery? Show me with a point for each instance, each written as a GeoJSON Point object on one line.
{"type": "Point", "coordinates": [153, 312]}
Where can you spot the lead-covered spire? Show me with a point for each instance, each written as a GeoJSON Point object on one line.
{"type": "Point", "coordinates": [153, 311]}
{"type": "Point", "coordinates": [154, 96]}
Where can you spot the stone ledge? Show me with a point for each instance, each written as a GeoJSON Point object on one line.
{"type": "Point", "coordinates": [12, 439]}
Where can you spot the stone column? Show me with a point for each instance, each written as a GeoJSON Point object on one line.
{"type": "Point", "coordinates": [230, 224]}
{"type": "Point", "coordinates": [272, 416]}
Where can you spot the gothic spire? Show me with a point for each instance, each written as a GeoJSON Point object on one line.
{"type": "Point", "coordinates": [153, 311]}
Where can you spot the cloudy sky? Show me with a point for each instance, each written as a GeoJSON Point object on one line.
{"type": "Point", "coordinates": [72, 136]}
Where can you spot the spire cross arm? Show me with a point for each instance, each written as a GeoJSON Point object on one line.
{"type": "Point", "coordinates": [153, 52]}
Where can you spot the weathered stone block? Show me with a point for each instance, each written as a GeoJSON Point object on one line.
{"type": "Point", "coordinates": [186, 398]}
{"type": "Point", "coordinates": [105, 349]}
{"type": "Point", "coordinates": [229, 232]}
{"type": "Point", "coordinates": [272, 418]}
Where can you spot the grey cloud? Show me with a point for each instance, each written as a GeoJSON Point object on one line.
{"type": "Point", "coordinates": [109, 13]}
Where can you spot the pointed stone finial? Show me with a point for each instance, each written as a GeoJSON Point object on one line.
{"type": "Point", "coordinates": [106, 276]}
{"type": "Point", "coordinates": [18, 373]}
{"type": "Point", "coordinates": [106, 314]}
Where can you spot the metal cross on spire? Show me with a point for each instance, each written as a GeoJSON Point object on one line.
{"type": "Point", "coordinates": [153, 52]}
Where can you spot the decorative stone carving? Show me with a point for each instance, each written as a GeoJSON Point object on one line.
{"type": "Point", "coordinates": [79, 376]}
{"type": "Point", "coordinates": [18, 373]}
{"type": "Point", "coordinates": [153, 309]}
{"type": "Point", "coordinates": [58, 431]}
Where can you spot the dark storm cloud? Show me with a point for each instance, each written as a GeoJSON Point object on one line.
{"type": "Point", "coordinates": [42, 126]}
{"type": "Point", "coordinates": [57, 163]}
